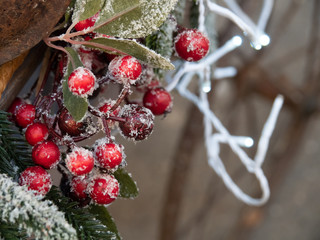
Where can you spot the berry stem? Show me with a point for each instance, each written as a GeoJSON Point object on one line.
{"type": "Point", "coordinates": [103, 80]}
{"type": "Point", "coordinates": [122, 96]}
{"type": "Point", "coordinates": [118, 119]}
{"type": "Point", "coordinates": [48, 42]}
{"type": "Point", "coordinates": [106, 128]}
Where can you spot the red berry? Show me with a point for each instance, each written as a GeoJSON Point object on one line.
{"type": "Point", "coordinates": [108, 155]}
{"type": "Point", "coordinates": [154, 83]}
{"type": "Point", "coordinates": [89, 22]}
{"type": "Point", "coordinates": [158, 100]}
{"type": "Point", "coordinates": [80, 161]}
{"type": "Point", "coordinates": [79, 186]}
{"type": "Point", "coordinates": [105, 109]}
{"type": "Point", "coordinates": [17, 102]}
{"type": "Point", "coordinates": [36, 132]}
{"type": "Point", "coordinates": [107, 106]}
{"type": "Point", "coordinates": [37, 179]}
{"type": "Point", "coordinates": [191, 45]}
{"type": "Point", "coordinates": [103, 189]}
{"type": "Point", "coordinates": [81, 82]}
{"type": "Point", "coordinates": [68, 125]}
{"type": "Point", "coordinates": [125, 69]}
{"type": "Point", "coordinates": [25, 115]}
{"type": "Point", "coordinates": [46, 154]}
{"type": "Point", "coordinates": [139, 122]}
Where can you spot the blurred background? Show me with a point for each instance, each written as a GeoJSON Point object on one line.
{"type": "Point", "coordinates": [182, 198]}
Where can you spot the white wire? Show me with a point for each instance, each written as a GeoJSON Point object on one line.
{"type": "Point", "coordinates": [186, 71]}
{"type": "Point", "coordinates": [213, 149]}
{"type": "Point", "coordinates": [265, 14]}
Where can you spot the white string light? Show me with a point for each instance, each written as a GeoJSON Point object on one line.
{"type": "Point", "coordinates": [187, 71]}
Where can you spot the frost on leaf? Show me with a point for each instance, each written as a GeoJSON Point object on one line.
{"type": "Point", "coordinates": [139, 51]}
{"type": "Point", "coordinates": [40, 219]}
{"type": "Point", "coordinates": [133, 18]}
{"type": "Point", "coordinates": [84, 9]}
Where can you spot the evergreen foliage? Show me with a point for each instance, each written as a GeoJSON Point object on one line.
{"type": "Point", "coordinates": [86, 224]}
{"type": "Point", "coordinates": [11, 231]}
{"type": "Point", "coordinates": [40, 219]}
{"type": "Point", "coordinates": [15, 152]}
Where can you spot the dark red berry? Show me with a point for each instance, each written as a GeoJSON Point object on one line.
{"type": "Point", "coordinates": [103, 189]}
{"type": "Point", "coordinates": [81, 82]}
{"type": "Point", "coordinates": [79, 185]}
{"type": "Point", "coordinates": [36, 132]}
{"type": "Point", "coordinates": [80, 161]}
{"type": "Point", "coordinates": [108, 155]}
{"type": "Point", "coordinates": [191, 45]}
{"type": "Point", "coordinates": [17, 102]}
{"type": "Point", "coordinates": [46, 154]}
{"type": "Point", "coordinates": [125, 69]}
{"type": "Point", "coordinates": [89, 22]}
{"type": "Point", "coordinates": [68, 125]}
{"type": "Point", "coordinates": [153, 84]}
{"type": "Point", "coordinates": [37, 179]}
{"type": "Point", "coordinates": [139, 122]}
{"type": "Point", "coordinates": [25, 115]}
{"type": "Point", "coordinates": [158, 100]}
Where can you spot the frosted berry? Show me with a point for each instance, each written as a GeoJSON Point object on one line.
{"type": "Point", "coordinates": [158, 100]}
{"type": "Point", "coordinates": [125, 69]}
{"type": "Point", "coordinates": [46, 154]}
{"type": "Point", "coordinates": [105, 109]}
{"type": "Point", "coordinates": [108, 155]}
{"type": "Point", "coordinates": [25, 114]}
{"type": "Point", "coordinates": [79, 186]}
{"type": "Point", "coordinates": [36, 132]}
{"type": "Point", "coordinates": [139, 122]}
{"type": "Point", "coordinates": [68, 125]}
{"type": "Point", "coordinates": [191, 45]}
{"type": "Point", "coordinates": [81, 82]}
{"type": "Point", "coordinates": [89, 22]}
{"type": "Point", "coordinates": [80, 161]}
{"type": "Point", "coordinates": [103, 189]}
{"type": "Point", "coordinates": [107, 106]}
{"type": "Point", "coordinates": [37, 179]}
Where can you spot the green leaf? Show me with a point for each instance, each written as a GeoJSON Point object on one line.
{"type": "Point", "coordinates": [132, 48]}
{"type": "Point", "coordinates": [133, 18]}
{"type": "Point", "coordinates": [128, 188]}
{"type": "Point", "coordinates": [103, 215]}
{"type": "Point", "coordinates": [69, 10]}
{"type": "Point", "coordinates": [84, 9]}
{"type": "Point", "coordinates": [77, 106]}
{"type": "Point", "coordinates": [75, 58]}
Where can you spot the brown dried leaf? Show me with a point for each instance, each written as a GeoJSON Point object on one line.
{"type": "Point", "coordinates": [8, 69]}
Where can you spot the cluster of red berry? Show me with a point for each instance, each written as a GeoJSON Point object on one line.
{"type": "Point", "coordinates": [91, 170]}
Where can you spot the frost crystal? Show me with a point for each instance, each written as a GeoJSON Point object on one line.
{"type": "Point", "coordinates": [40, 219]}
{"type": "Point", "coordinates": [140, 21]}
